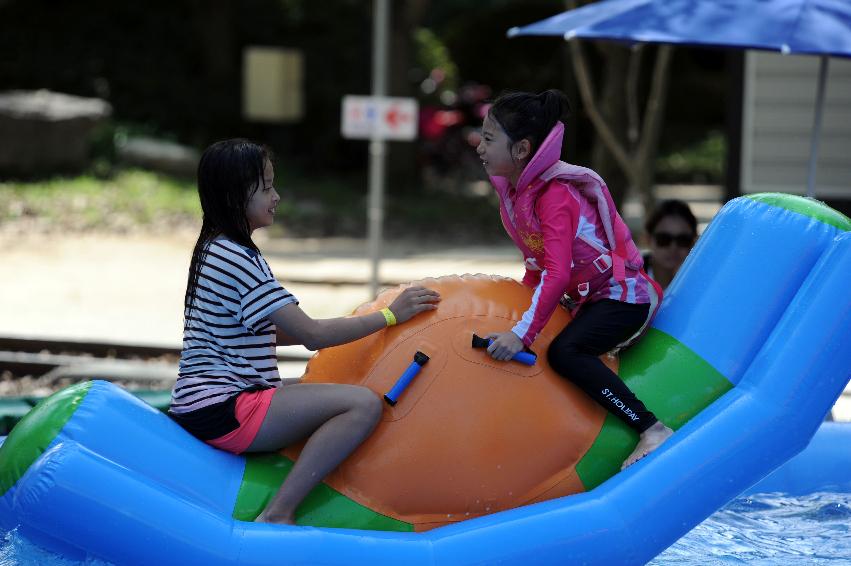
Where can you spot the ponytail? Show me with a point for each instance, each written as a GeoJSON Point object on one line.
{"type": "Point", "coordinates": [524, 115]}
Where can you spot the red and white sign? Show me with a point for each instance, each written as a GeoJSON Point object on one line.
{"type": "Point", "coordinates": [389, 117]}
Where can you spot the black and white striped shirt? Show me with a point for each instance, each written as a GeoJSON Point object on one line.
{"type": "Point", "coordinates": [228, 341]}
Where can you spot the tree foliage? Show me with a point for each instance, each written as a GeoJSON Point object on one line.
{"type": "Point", "coordinates": [173, 67]}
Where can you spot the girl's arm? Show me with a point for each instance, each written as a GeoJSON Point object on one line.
{"type": "Point", "coordinates": [284, 339]}
{"type": "Point", "coordinates": [558, 211]}
{"type": "Point", "coordinates": [294, 324]}
{"type": "Point", "coordinates": [531, 278]}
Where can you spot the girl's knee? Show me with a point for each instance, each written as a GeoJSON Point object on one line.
{"type": "Point", "coordinates": [563, 360]}
{"type": "Point", "coordinates": [366, 402]}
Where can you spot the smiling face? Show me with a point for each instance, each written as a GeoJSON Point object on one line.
{"type": "Point", "coordinates": [499, 155]}
{"type": "Point", "coordinates": [260, 211]}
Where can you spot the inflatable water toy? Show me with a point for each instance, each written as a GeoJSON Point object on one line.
{"type": "Point", "coordinates": [750, 349]}
{"type": "Point", "coordinates": [821, 467]}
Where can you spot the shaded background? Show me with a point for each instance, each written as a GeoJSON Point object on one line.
{"type": "Point", "coordinates": [173, 70]}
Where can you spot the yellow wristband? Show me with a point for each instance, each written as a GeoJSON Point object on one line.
{"type": "Point", "coordinates": [389, 317]}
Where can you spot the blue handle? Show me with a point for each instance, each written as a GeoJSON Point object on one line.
{"type": "Point", "coordinates": [405, 379]}
{"type": "Point", "coordinates": [527, 358]}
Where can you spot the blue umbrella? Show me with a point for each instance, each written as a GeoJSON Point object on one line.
{"type": "Point", "coordinates": [810, 27]}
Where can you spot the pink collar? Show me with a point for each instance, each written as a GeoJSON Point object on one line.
{"type": "Point", "coordinates": [544, 158]}
{"type": "Point", "coordinates": [547, 155]}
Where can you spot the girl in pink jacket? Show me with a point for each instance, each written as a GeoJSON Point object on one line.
{"type": "Point", "coordinates": [578, 251]}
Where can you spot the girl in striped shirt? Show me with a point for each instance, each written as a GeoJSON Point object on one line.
{"type": "Point", "coordinates": [228, 392]}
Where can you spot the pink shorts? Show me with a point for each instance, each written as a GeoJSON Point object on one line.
{"type": "Point", "coordinates": [251, 408]}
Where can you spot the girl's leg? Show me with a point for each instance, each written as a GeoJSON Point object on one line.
{"type": "Point", "coordinates": [575, 352]}
{"type": "Point", "coordinates": [336, 417]}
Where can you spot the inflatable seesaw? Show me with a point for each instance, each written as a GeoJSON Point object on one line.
{"type": "Point", "coordinates": [476, 461]}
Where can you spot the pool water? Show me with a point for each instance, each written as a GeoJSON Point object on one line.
{"type": "Point", "coordinates": [769, 529]}
{"type": "Point", "coordinates": [18, 551]}
{"type": "Point", "coordinates": [759, 530]}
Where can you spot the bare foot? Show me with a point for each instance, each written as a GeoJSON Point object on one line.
{"type": "Point", "coordinates": [649, 441]}
{"type": "Point", "coordinates": [276, 519]}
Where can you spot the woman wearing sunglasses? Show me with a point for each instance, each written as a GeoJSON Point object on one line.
{"type": "Point", "coordinates": [672, 229]}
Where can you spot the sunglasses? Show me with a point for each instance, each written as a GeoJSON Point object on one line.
{"type": "Point", "coordinates": [664, 239]}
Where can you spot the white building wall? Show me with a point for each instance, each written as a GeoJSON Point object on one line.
{"type": "Point", "coordinates": [779, 102]}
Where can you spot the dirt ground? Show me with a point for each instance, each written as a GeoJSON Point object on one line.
{"type": "Point", "coordinates": [114, 288]}
{"type": "Point", "coordinates": [86, 287]}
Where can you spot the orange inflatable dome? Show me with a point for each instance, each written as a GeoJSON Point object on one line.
{"type": "Point", "coordinates": [470, 435]}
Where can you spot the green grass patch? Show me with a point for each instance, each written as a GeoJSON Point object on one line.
{"type": "Point", "coordinates": [336, 206]}
{"type": "Point", "coordinates": [131, 198]}
{"type": "Point", "coordinates": [701, 162]}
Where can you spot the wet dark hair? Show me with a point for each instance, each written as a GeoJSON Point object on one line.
{"type": "Point", "coordinates": [672, 207]}
{"type": "Point", "coordinates": [524, 115]}
{"type": "Point", "coordinates": [228, 174]}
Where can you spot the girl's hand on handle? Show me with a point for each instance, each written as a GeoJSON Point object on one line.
{"type": "Point", "coordinates": [504, 346]}
{"type": "Point", "coordinates": [413, 301]}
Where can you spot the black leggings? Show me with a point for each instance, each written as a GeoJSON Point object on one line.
{"type": "Point", "coordinates": [574, 354]}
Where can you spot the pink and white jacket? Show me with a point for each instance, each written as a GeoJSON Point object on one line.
{"type": "Point", "coordinates": [563, 220]}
